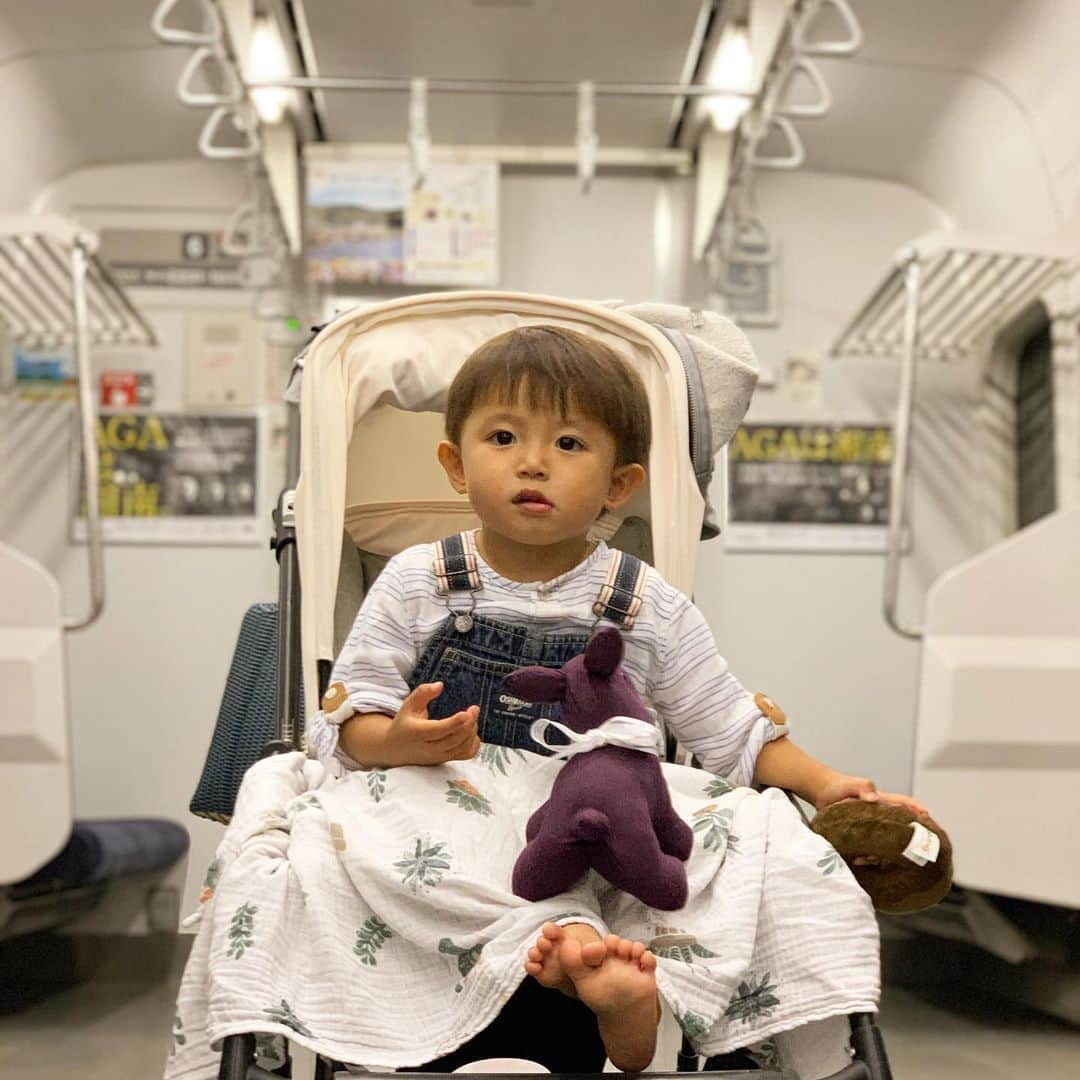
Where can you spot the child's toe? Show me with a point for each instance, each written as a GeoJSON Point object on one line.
{"type": "Point", "coordinates": [593, 953]}
{"type": "Point", "coordinates": [552, 931]}
{"type": "Point", "coordinates": [570, 958]}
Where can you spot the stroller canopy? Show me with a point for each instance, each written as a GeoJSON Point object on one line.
{"type": "Point", "coordinates": [373, 390]}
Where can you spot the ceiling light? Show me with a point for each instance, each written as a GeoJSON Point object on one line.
{"type": "Point", "coordinates": [732, 69]}
{"type": "Point", "coordinates": [267, 61]}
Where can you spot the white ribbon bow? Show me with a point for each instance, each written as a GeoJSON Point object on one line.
{"type": "Point", "coordinates": [626, 731]}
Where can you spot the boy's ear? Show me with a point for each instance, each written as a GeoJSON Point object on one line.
{"type": "Point", "coordinates": [450, 459]}
{"type": "Point", "coordinates": [625, 480]}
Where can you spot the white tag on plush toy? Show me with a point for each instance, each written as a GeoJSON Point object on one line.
{"type": "Point", "coordinates": [924, 845]}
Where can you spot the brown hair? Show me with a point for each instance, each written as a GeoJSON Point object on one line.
{"type": "Point", "coordinates": [548, 368]}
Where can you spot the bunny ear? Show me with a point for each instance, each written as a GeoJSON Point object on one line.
{"type": "Point", "coordinates": [537, 683]}
{"type": "Point", "coordinates": [604, 651]}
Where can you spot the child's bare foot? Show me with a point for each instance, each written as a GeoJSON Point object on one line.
{"type": "Point", "coordinates": [544, 964]}
{"type": "Point", "coordinates": [622, 992]}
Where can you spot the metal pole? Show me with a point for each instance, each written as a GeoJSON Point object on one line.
{"type": "Point", "coordinates": [88, 432]}
{"type": "Point", "coordinates": [902, 446]}
{"type": "Point", "coordinates": [288, 704]}
{"type": "Point", "coordinates": [287, 727]}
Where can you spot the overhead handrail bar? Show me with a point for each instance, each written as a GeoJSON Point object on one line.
{"type": "Point", "coordinates": [233, 93]}
{"type": "Point", "coordinates": [210, 34]}
{"type": "Point", "coordinates": [244, 124]}
{"type": "Point", "coordinates": [401, 85]}
{"type": "Point", "coordinates": [842, 47]}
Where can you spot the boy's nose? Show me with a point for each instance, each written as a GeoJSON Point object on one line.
{"type": "Point", "coordinates": [532, 467]}
{"type": "Point", "coordinates": [532, 463]}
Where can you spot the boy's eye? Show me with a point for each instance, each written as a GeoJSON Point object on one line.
{"type": "Point", "coordinates": [568, 442]}
{"type": "Point", "coordinates": [501, 438]}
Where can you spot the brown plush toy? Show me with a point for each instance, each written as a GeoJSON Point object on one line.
{"type": "Point", "coordinates": [872, 839]}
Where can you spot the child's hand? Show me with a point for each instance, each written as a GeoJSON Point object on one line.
{"type": "Point", "coordinates": [838, 787]}
{"type": "Point", "coordinates": [413, 738]}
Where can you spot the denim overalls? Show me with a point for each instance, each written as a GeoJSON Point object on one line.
{"type": "Point", "coordinates": [472, 654]}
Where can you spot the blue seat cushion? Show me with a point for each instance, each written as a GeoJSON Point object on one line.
{"type": "Point", "coordinates": [101, 850]}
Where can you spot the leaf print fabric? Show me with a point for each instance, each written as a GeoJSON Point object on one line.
{"type": "Point", "coordinates": [716, 787]}
{"type": "Point", "coordinates": [714, 825]}
{"type": "Point", "coordinates": [213, 875]}
{"type": "Point", "coordinates": [695, 1026]}
{"type": "Point", "coordinates": [466, 958]}
{"type": "Point", "coordinates": [499, 758]}
{"type": "Point", "coordinates": [241, 930]}
{"type": "Point", "coordinates": [376, 782]}
{"type": "Point", "coordinates": [424, 865]}
{"type": "Point", "coordinates": [753, 1000]}
{"type": "Point", "coordinates": [462, 793]}
{"type": "Point", "coordinates": [298, 806]}
{"type": "Point", "coordinates": [283, 1014]}
{"type": "Point", "coordinates": [370, 938]}
{"type": "Point", "coordinates": [685, 953]}
{"type": "Point", "coordinates": [829, 862]}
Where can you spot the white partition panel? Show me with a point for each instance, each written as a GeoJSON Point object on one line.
{"type": "Point", "coordinates": [35, 778]}
{"type": "Point", "coordinates": [997, 755]}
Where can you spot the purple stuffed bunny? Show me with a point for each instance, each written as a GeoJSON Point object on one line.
{"type": "Point", "coordinates": [609, 807]}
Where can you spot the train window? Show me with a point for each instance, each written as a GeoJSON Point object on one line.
{"type": "Point", "coordinates": [1035, 465]}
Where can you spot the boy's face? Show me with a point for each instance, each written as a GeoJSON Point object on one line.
{"type": "Point", "coordinates": [535, 477]}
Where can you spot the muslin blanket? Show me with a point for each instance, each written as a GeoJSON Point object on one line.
{"type": "Point", "coordinates": [370, 916]}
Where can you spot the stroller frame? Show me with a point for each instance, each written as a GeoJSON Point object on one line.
{"type": "Point", "coordinates": [870, 1060]}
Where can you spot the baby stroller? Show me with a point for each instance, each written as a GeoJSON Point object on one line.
{"type": "Point", "coordinates": [371, 387]}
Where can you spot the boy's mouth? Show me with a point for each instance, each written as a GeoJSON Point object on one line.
{"type": "Point", "coordinates": [530, 499]}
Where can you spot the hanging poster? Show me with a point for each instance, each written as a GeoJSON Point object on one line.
{"type": "Point", "coordinates": [809, 487]}
{"type": "Point", "coordinates": [368, 223]}
{"type": "Point", "coordinates": [171, 478]}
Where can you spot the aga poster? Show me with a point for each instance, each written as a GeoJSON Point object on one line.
{"type": "Point", "coordinates": [809, 487]}
{"type": "Point", "coordinates": [173, 478]}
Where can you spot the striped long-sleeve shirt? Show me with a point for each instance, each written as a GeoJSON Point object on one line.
{"type": "Point", "coordinates": [670, 653]}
